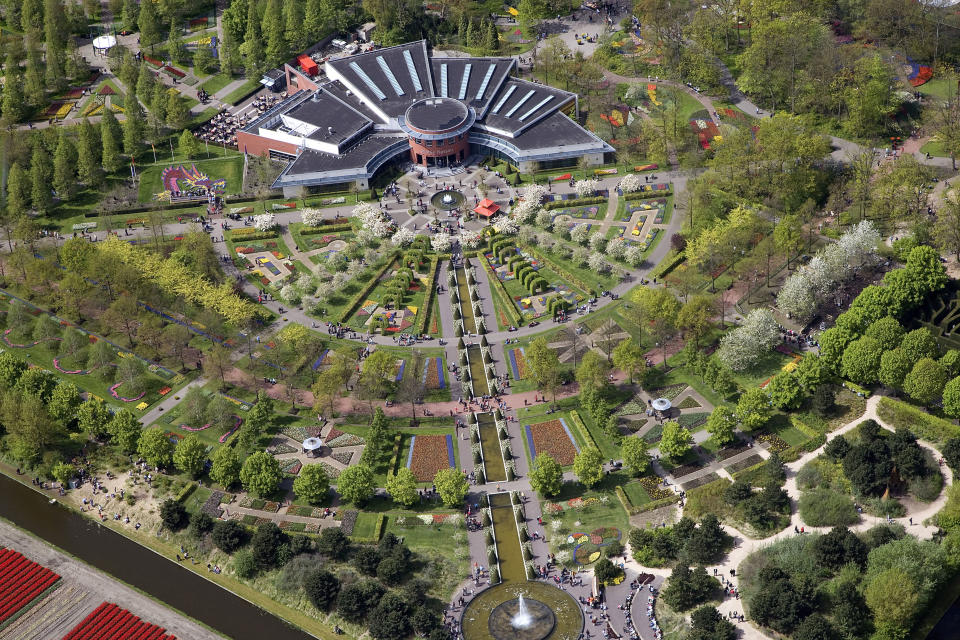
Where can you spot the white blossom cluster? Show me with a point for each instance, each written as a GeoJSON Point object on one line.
{"type": "Point", "coordinates": [630, 182]}
{"type": "Point", "coordinates": [741, 348]}
{"type": "Point", "coordinates": [586, 188]}
{"type": "Point", "coordinates": [311, 217]}
{"type": "Point", "coordinates": [470, 239]}
{"type": "Point", "coordinates": [831, 266]}
{"type": "Point", "coordinates": [403, 237]}
{"type": "Point", "coordinates": [441, 242]}
{"type": "Point", "coordinates": [264, 221]}
{"type": "Point", "coordinates": [506, 225]}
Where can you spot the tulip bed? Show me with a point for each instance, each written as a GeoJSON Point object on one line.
{"type": "Point", "coordinates": [552, 437]}
{"type": "Point", "coordinates": [110, 621]}
{"type": "Point", "coordinates": [22, 581]}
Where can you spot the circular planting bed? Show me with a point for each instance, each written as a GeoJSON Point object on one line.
{"type": "Point", "coordinates": [554, 614]}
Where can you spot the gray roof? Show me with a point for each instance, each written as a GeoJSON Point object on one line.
{"type": "Point", "coordinates": [350, 98]}
{"type": "Point", "coordinates": [391, 78]}
{"type": "Point", "coordinates": [356, 156]}
{"type": "Point", "coordinates": [556, 130]}
{"type": "Point", "coordinates": [436, 114]}
{"type": "Point", "coordinates": [519, 104]}
{"type": "Point", "coordinates": [324, 110]}
{"type": "Point", "coordinates": [480, 76]}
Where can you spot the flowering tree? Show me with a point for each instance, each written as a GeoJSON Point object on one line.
{"type": "Point", "coordinates": [630, 182]}
{"type": "Point", "coordinates": [506, 226]}
{"type": "Point", "coordinates": [741, 348]}
{"type": "Point", "coordinates": [586, 188]}
{"type": "Point", "coordinates": [290, 294]}
{"type": "Point", "coordinates": [265, 221]}
{"type": "Point", "coordinates": [796, 297]}
{"type": "Point", "coordinates": [580, 233]}
{"type": "Point", "coordinates": [403, 237]}
{"type": "Point", "coordinates": [311, 217]}
{"type": "Point", "coordinates": [580, 256]}
{"type": "Point", "coordinates": [617, 248]}
{"type": "Point", "coordinates": [306, 284]}
{"type": "Point", "coordinates": [470, 239]}
{"type": "Point", "coordinates": [535, 193]}
{"type": "Point", "coordinates": [597, 263]}
{"type": "Point", "coordinates": [544, 219]}
{"type": "Point", "coordinates": [597, 241]}
{"type": "Point", "coordinates": [441, 242]}
{"type": "Point", "coordinates": [633, 255]}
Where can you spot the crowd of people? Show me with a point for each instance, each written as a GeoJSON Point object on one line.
{"type": "Point", "coordinates": [222, 128]}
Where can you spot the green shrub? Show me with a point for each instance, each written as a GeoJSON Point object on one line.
{"type": "Point", "coordinates": [826, 508]}
{"type": "Point", "coordinates": [928, 427]}
{"type": "Point", "coordinates": [883, 508]}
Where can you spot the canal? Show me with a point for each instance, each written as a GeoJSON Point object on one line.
{"type": "Point", "coordinates": [490, 444]}
{"type": "Point", "coordinates": [509, 553]}
{"type": "Point", "coordinates": [466, 305]}
{"type": "Point", "coordinates": [140, 567]}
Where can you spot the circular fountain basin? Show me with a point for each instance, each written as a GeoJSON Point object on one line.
{"type": "Point", "coordinates": [492, 615]}
{"type": "Point", "coordinates": [448, 200]}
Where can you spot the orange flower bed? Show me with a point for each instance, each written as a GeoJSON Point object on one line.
{"type": "Point", "coordinates": [429, 455]}
{"type": "Point", "coordinates": [550, 437]}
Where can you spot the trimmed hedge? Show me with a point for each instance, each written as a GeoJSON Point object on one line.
{"type": "Point", "coordinates": [656, 504]}
{"type": "Point", "coordinates": [397, 445]}
{"type": "Point", "coordinates": [646, 195]}
{"type": "Point", "coordinates": [311, 231]}
{"type": "Point", "coordinates": [365, 291]}
{"type": "Point", "coordinates": [928, 427]}
{"type": "Point", "coordinates": [582, 428]}
{"type": "Point", "coordinates": [667, 265]}
{"type": "Point", "coordinates": [797, 451]}
{"type": "Point", "coordinates": [378, 530]}
{"type": "Point", "coordinates": [563, 273]}
{"type": "Point", "coordinates": [257, 235]}
{"type": "Point", "coordinates": [577, 202]}
{"type": "Point", "coordinates": [186, 492]}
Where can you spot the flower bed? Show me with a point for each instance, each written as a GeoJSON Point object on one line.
{"type": "Point", "coordinates": [552, 437]}
{"type": "Point", "coordinates": [343, 457]}
{"type": "Point", "coordinates": [433, 377]}
{"type": "Point", "coordinates": [56, 365]}
{"type": "Point", "coordinates": [173, 72]}
{"type": "Point", "coordinates": [113, 392]}
{"type": "Point", "coordinates": [299, 434]}
{"type": "Point", "coordinates": [227, 435]}
{"type": "Point", "coordinates": [332, 472]}
{"type": "Point", "coordinates": [280, 448]}
{"type": "Point", "coordinates": [693, 421]}
{"type": "Point", "coordinates": [212, 505]}
{"type": "Point", "coordinates": [430, 454]}
{"type": "Point", "coordinates": [587, 547]}
{"type": "Point", "coordinates": [349, 521]}
{"type": "Point", "coordinates": [110, 621]}
{"type": "Point", "coordinates": [775, 442]}
{"type": "Point", "coordinates": [344, 440]}
{"type": "Point", "coordinates": [670, 392]}
{"type": "Point", "coordinates": [651, 484]}
{"type": "Point", "coordinates": [518, 363]}
{"type": "Point", "coordinates": [291, 466]}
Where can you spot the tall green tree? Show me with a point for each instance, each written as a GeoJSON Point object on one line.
{"type": "Point", "coordinates": [110, 142]}
{"type": "Point", "coordinates": [89, 145]}
{"type": "Point", "coordinates": [134, 125]}
{"type": "Point", "coordinates": [149, 24]}
{"type": "Point", "coordinates": [64, 167]}
{"type": "Point", "coordinates": [588, 465]}
{"type": "Point", "coordinates": [41, 174]}
{"type": "Point", "coordinates": [13, 101]}
{"type": "Point", "coordinates": [546, 477]}
{"type": "Point", "coordinates": [253, 43]}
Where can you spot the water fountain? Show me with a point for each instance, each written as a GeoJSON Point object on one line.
{"type": "Point", "coordinates": [448, 200]}
{"type": "Point", "coordinates": [522, 619]}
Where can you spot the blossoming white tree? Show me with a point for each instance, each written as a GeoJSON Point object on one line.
{"type": "Point", "coordinates": [290, 294]}
{"type": "Point", "coordinates": [306, 284]}
{"type": "Point", "coordinates": [633, 255]}
{"type": "Point", "coordinates": [597, 241]}
{"type": "Point", "coordinates": [630, 182]}
{"type": "Point", "coordinates": [506, 226]}
{"type": "Point", "coordinates": [597, 263]}
{"type": "Point", "coordinates": [741, 348]}
{"type": "Point", "coordinates": [441, 242]}
{"type": "Point", "coordinates": [580, 256]}
{"type": "Point", "coordinates": [311, 217]}
{"type": "Point", "coordinates": [586, 188]}
{"type": "Point", "coordinates": [403, 237]}
{"type": "Point", "coordinates": [264, 221]}
{"type": "Point", "coordinates": [580, 233]}
{"type": "Point", "coordinates": [470, 239]}
{"type": "Point", "coordinates": [617, 248]}
{"type": "Point", "coordinates": [544, 219]}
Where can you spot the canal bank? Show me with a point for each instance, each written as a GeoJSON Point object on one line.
{"type": "Point", "coordinates": [220, 602]}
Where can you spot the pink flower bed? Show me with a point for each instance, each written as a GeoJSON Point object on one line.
{"type": "Point", "coordinates": [113, 392]}
{"type": "Point", "coordinates": [56, 365]}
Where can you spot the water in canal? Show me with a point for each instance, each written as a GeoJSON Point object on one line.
{"type": "Point", "coordinates": [466, 305]}
{"type": "Point", "coordinates": [509, 552]}
{"type": "Point", "coordinates": [490, 443]}
{"type": "Point", "coordinates": [128, 561]}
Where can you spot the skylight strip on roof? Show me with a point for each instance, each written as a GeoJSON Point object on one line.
{"type": "Point", "coordinates": [463, 83]}
{"type": "Point", "coordinates": [367, 81]}
{"type": "Point", "coordinates": [514, 108]}
{"type": "Point", "coordinates": [538, 105]}
{"type": "Point", "coordinates": [443, 80]}
{"type": "Point", "coordinates": [413, 70]}
{"type": "Point", "coordinates": [486, 81]}
{"type": "Point", "coordinates": [505, 97]}
{"type": "Point", "coordinates": [390, 77]}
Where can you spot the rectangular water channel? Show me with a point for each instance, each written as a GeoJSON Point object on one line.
{"type": "Point", "coordinates": [508, 540]}
{"type": "Point", "coordinates": [478, 374]}
{"type": "Point", "coordinates": [490, 444]}
{"type": "Point", "coordinates": [466, 305]}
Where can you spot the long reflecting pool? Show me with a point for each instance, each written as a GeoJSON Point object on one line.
{"type": "Point", "coordinates": [138, 566]}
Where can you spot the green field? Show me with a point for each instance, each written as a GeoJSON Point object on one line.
{"type": "Point", "coordinates": [216, 83]}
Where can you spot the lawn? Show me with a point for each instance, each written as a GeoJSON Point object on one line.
{"type": "Point", "coordinates": [230, 169]}
{"type": "Point", "coordinates": [216, 83]}
{"type": "Point", "coordinates": [934, 148]}
{"type": "Point", "coordinates": [316, 240]}
{"type": "Point", "coordinates": [637, 495]}
{"type": "Point", "coordinates": [171, 421]}
{"type": "Point", "coordinates": [769, 365]}
{"type": "Point", "coordinates": [241, 93]}
{"type": "Point", "coordinates": [941, 88]}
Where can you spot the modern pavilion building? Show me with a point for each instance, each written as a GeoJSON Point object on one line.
{"type": "Point", "coordinates": [400, 105]}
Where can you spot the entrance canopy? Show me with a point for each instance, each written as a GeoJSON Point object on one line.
{"type": "Point", "coordinates": [312, 444]}
{"type": "Point", "coordinates": [487, 208]}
